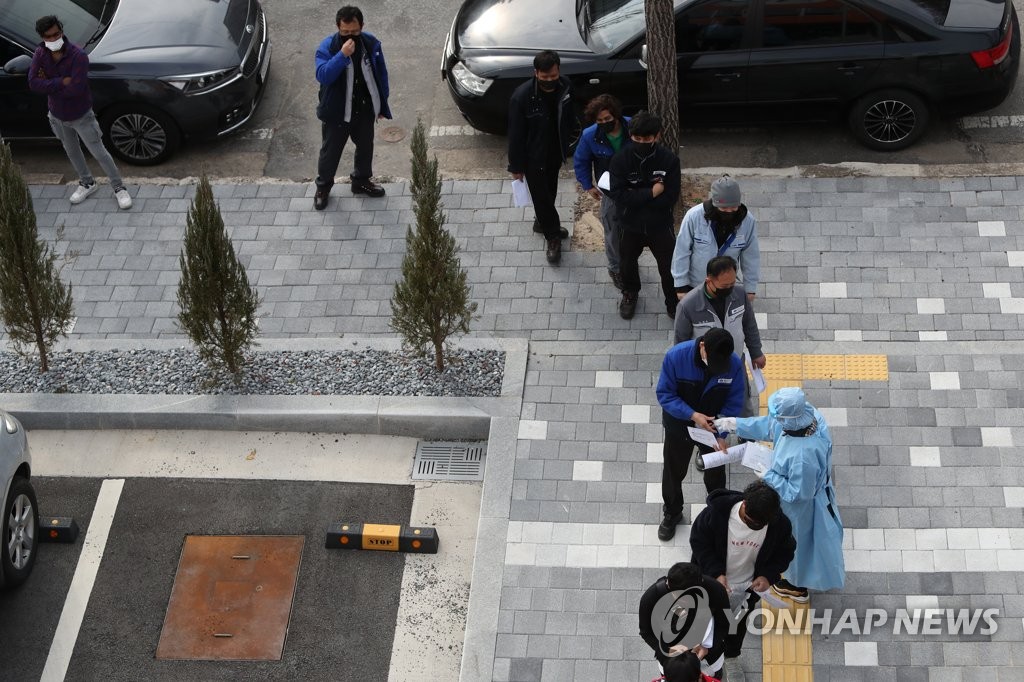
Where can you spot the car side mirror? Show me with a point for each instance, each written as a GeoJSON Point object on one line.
{"type": "Point", "coordinates": [643, 55]}
{"type": "Point", "coordinates": [18, 66]}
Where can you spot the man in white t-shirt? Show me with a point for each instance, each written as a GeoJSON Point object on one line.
{"type": "Point", "coordinates": [745, 542]}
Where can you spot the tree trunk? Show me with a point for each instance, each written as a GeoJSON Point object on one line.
{"type": "Point", "coordinates": [439, 355]}
{"type": "Point", "coordinates": [662, 74]}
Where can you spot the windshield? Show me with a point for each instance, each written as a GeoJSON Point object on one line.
{"type": "Point", "coordinates": [81, 18]}
{"type": "Point", "coordinates": [607, 24]}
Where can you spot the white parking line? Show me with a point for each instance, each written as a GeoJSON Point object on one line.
{"type": "Point", "coordinates": [81, 584]}
{"type": "Point", "coordinates": [449, 131]}
{"type": "Point", "coordinates": [972, 122]}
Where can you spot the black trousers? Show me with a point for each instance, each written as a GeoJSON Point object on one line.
{"type": "Point", "coordinates": [661, 243]}
{"type": "Point", "coordinates": [360, 130]}
{"type": "Point", "coordinates": [734, 642]}
{"type": "Point", "coordinates": [543, 184]}
{"type": "Point", "coordinates": [677, 453]}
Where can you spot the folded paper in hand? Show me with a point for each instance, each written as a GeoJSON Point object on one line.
{"type": "Point", "coordinates": [605, 182]}
{"type": "Point", "coordinates": [703, 437]}
{"type": "Point", "coordinates": [521, 194]}
{"type": "Point", "coordinates": [772, 600]}
{"type": "Point", "coordinates": [759, 383]}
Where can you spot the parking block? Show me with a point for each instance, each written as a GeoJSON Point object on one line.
{"type": "Point", "coordinates": [57, 529]}
{"type": "Point", "coordinates": [382, 537]}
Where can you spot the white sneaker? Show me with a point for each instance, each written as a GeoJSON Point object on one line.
{"type": "Point", "coordinates": [82, 192]}
{"type": "Point", "coordinates": [124, 200]}
{"type": "Point", "coordinates": [733, 671]}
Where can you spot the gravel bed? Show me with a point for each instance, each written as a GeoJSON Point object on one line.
{"type": "Point", "coordinates": [182, 372]}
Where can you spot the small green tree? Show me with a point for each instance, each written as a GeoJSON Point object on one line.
{"type": "Point", "coordinates": [430, 302]}
{"type": "Point", "coordinates": [35, 305]}
{"type": "Point", "coordinates": [218, 307]}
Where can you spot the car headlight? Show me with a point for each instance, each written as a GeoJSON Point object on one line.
{"type": "Point", "coordinates": [199, 82]}
{"type": "Point", "coordinates": [469, 81]}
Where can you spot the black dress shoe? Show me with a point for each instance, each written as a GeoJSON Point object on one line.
{"type": "Point", "coordinates": [368, 188]}
{"type": "Point", "coordinates": [320, 200]}
{"type": "Point", "coordinates": [562, 232]}
{"type": "Point", "coordinates": [554, 251]}
{"type": "Point", "coordinates": [667, 529]}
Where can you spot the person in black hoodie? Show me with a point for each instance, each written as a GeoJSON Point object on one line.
{"type": "Point", "coordinates": [540, 127]}
{"type": "Point", "coordinates": [683, 577]}
{"type": "Point", "coordinates": [645, 187]}
{"type": "Point", "coordinates": [746, 543]}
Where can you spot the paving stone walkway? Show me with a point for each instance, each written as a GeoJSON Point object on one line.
{"type": "Point", "coordinates": [928, 272]}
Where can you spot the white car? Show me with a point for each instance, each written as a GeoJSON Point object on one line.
{"type": "Point", "coordinates": [20, 515]}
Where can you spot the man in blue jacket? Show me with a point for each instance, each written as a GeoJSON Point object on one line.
{"type": "Point", "coordinates": [699, 379]}
{"type": "Point", "coordinates": [353, 97]}
{"type": "Point", "coordinates": [594, 152]}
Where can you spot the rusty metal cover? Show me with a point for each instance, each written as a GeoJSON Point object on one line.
{"type": "Point", "coordinates": [232, 598]}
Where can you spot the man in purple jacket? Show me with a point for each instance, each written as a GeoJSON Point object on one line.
{"type": "Point", "coordinates": [60, 70]}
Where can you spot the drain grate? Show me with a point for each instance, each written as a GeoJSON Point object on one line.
{"type": "Point", "coordinates": [449, 462]}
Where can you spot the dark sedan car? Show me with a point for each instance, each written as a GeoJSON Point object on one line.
{"type": "Point", "coordinates": [160, 72]}
{"type": "Point", "coordinates": [884, 65]}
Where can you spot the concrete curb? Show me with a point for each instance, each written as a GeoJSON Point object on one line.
{"type": "Point", "coordinates": [422, 417]}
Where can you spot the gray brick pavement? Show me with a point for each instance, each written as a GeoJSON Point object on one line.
{"type": "Point", "coordinates": [931, 273]}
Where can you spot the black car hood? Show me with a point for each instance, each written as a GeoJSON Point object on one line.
{"type": "Point", "coordinates": [175, 37]}
{"type": "Point", "coordinates": [529, 25]}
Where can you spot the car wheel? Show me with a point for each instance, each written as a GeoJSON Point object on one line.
{"type": "Point", "coordinates": [140, 136]}
{"type": "Point", "coordinates": [889, 120]}
{"type": "Point", "coordinates": [20, 533]}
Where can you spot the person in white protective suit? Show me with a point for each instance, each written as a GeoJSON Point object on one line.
{"type": "Point", "coordinates": [801, 473]}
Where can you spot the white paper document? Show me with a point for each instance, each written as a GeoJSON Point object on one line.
{"type": "Point", "coordinates": [703, 437]}
{"type": "Point", "coordinates": [751, 455]}
{"type": "Point", "coordinates": [521, 194]}
{"type": "Point", "coordinates": [755, 456]}
{"type": "Point", "coordinates": [759, 383]}
{"type": "Point", "coordinates": [605, 182]}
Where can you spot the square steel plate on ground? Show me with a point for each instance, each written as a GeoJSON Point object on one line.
{"type": "Point", "coordinates": [232, 598]}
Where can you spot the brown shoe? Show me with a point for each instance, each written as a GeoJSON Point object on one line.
{"type": "Point", "coordinates": [368, 188]}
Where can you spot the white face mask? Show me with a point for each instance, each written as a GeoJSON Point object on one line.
{"type": "Point", "coordinates": [54, 45]}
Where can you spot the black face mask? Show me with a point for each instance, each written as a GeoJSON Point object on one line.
{"type": "Point", "coordinates": [607, 127]}
{"type": "Point", "coordinates": [643, 148]}
{"type": "Point", "coordinates": [728, 218]}
{"type": "Point", "coordinates": [724, 292]}
{"type": "Point", "coordinates": [547, 86]}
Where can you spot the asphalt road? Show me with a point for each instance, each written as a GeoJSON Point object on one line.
{"type": "Point", "coordinates": [343, 614]}
{"type": "Point", "coordinates": [282, 140]}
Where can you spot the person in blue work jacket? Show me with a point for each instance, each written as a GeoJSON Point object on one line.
{"type": "Point", "coordinates": [721, 226]}
{"type": "Point", "coordinates": [353, 97]}
{"type": "Point", "coordinates": [700, 379]}
{"type": "Point", "coordinates": [594, 152]}
{"type": "Point", "coordinates": [801, 473]}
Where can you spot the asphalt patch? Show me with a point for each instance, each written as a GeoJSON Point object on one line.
{"type": "Point", "coordinates": [343, 616]}
{"type": "Point", "coordinates": [29, 614]}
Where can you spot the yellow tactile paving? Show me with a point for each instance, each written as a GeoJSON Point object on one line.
{"type": "Point", "coordinates": [786, 653]}
{"type": "Point", "coordinates": [824, 367]}
{"type": "Point", "coordinates": [792, 367]}
{"type": "Point", "coordinates": [867, 367]}
{"type": "Point", "coordinates": [784, 366]}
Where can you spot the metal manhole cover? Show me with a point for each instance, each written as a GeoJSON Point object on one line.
{"type": "Point", "coordinates": [391, 134]}
{"type": "Point", "coordinates": [232, 598]}
{"type": "Point", "coordinates": [449, 462]}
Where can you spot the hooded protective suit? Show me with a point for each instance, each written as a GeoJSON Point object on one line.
{"type": "Point", "coordinates": [801, 474]}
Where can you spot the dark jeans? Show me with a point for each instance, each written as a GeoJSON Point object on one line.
{"type": "Point", "coordinates": [661, 243]}
{"type": "Point", "coordinates": [677, 453]}
{"type": "Point", "coordinates": [734, 643]}
{"type": "Point", "coordinates": [360, 129]}
{"type": "Point", "coordinates": [543, 184]}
